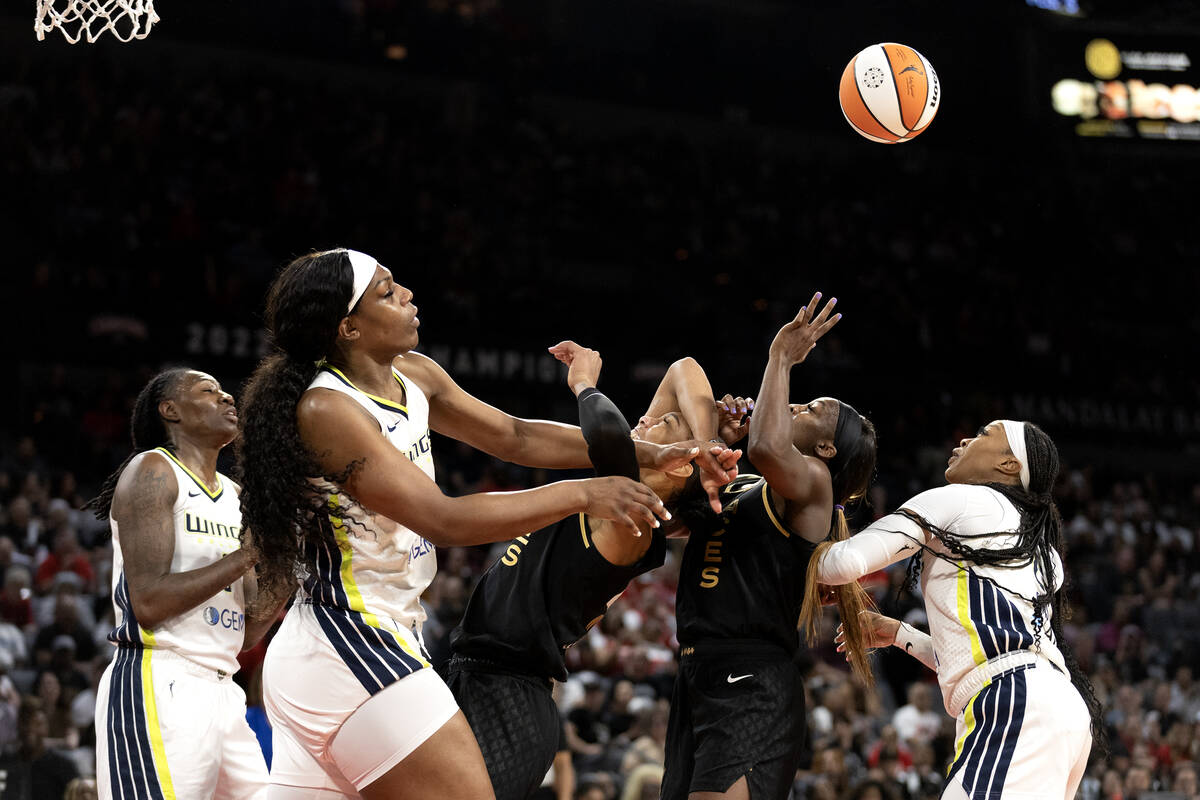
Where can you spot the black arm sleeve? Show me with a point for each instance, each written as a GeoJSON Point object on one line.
{"type": "Point", "coordinates": [607, 435]}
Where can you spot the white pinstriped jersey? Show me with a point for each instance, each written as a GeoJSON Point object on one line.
{"type": "Point", "coordinates": [208, 526]}
{"type": "Point", "coordinates": [372, 580]}
{"type": "Point", "coordinates": [976, 612]}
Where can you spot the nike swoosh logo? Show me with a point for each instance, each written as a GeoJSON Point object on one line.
{"type": "Point", "coordinates": [193, 494]}
{"type": "Point", "coordinates": [732, 679]}
{"type": "Point", "coordinates": [393, 427]}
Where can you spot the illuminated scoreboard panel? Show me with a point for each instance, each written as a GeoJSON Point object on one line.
{"type": "Point", "coordinates": [1124, 86]}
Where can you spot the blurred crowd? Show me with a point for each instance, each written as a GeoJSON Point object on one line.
{"type": "Point", "coordinates": [1133, 568]}
{"type": "Point", "coordinates": [157, 202]}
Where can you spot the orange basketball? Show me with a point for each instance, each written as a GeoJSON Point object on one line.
{"type": "Point", "coordinates": [889, 92]}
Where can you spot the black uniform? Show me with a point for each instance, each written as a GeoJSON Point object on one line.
{"type": "Point", "coordinates": [542, 595]}
{"type": "Point", "coordinates": [738, 704]}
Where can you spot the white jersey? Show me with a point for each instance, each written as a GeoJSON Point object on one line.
{"type": "Point", "coordinates": [981, 619]}
{"type": "Point", "coordinates": [380, 568]}
{"type": "Point", "coordinates": [208, 526]}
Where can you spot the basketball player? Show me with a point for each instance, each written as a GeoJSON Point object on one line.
{"type": "Point", "coordinates": [737, 714]}
{"type": "Point", "coordinates": [354, 707]}
{"type": "Point", "coordinates": [988, 546]}
{"type": "Point", "coordinates": [550, 586]}
{"type": "Point", "coordinates": [170, 722]}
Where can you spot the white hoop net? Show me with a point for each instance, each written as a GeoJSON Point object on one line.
{"type": "Point", "coordinates": [76, 19]}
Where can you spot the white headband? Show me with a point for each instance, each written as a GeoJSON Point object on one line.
{"type": "Point", "coordinates": [1015, 431]}
{"type": "Point", "coordinates": [364, 270]}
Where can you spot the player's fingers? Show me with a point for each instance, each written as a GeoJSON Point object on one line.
{"type": "Point", "coordinates": [653, 504]}
{"type": "Point", "coordinates": [642, 513]}
{"type": "Point", "coordinates": [811, 308]}
{"type": "Point", "coordinates": [825, 326]}
{"type": "Point", "coordinates": [714, 498]}
{"type": "Point", "coordinates": [820, 318]}
{"type": "Point", "coordinates": [707, 461]}
{"type": "Point", "coordinates": [630, 525]}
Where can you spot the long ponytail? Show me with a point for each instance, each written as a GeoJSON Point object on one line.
{"type": "Point", "coordinates": [852, 600]}
{"type": "Point", "coordinates": [281, 508]}
{"type": "Point", "coordinates": [850, 470]}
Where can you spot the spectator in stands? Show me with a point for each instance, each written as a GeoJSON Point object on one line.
{"type": "Point", "coordinates": [35, 771]}
{"type": "Point", "coordinates": [21, 526]}
{"type": "Point", "coordinates": [16, 599]}
{"type": "Point", "coordinates": [67, 556]}
{"type": "Point", "coordinates": [66, 623]}
{"type": "Point", "coordinates": [9, 555]}
{"type": "Point", "coordinates": [1137, 783]}
{"type": "Point", "coordinates": [1184, 781]}
{"type": "Point", "coordinates": [918, 721]}
{"type": "Point", "coordinates": [586, 734]}
{"type": "Point", "coordinates": [10, 704]}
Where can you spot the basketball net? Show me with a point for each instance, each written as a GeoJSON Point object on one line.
{"type": "Point", "coordinates": [124, 19]}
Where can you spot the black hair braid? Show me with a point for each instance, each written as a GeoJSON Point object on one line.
{"type": "Point", "coordinates": [147, 431]}
{"type": "Point", "coordinates": [281, 508]}
{"type": "Point", "coordinates": [1039, 537]}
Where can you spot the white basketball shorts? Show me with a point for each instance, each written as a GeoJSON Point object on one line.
{"type": "Point", "coordinates": [347, 701]}
{"type": "Point", "coordinates": [168, 728]}
{"type": "Point", "coordinates": [1025, 735]}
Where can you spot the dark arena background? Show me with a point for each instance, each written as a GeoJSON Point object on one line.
{"type": "Point", "coordinates": [654, 179]}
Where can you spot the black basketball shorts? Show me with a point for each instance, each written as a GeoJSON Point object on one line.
{"type": "Point", "coordinates": [515, 721]}
{"type": "Point", "coordinates": [737, 709]}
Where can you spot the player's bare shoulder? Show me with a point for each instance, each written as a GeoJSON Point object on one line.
{"type": "Point", "coordinates": [148, 481]}
{"type": "Point", "coordinates": [423, 371]}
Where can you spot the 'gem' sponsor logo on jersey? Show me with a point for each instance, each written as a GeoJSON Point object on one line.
{"type": "Point", "coordinates": [225, 617]}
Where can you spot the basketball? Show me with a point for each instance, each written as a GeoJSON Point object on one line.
{"type": "Point", "coordinates": [889, 93]}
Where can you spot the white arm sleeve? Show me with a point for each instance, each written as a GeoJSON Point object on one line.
{"type": "Point", "coordinates": [894, 537]}
{"type": "Point", "coordinates": [886, 541]}
{"type": "Point", "coordinates": [917, 644]}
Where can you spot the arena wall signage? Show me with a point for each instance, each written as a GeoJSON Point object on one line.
{"type": "Point", "coordinates": [1127, 87]}
{"type": "Point", "coordinates": [1111, 416]}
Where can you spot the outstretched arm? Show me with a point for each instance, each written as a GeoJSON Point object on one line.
{"type": "Point", "coordinates": [461, 416]}
{"type": "Point", "coordinates": [887, 540]}
{"type": "Point", "coordinates": [789, 472]}
{"type": "Point", "coordinates": [529, 442]}
{"type": "Point", "coordinates": [686, 390]}
{"type": "Point", "coordinates": [345, 440]}
{"type": "Point", "coordinates": [143, 506]}
{"type": "Point", "coordinates": [609, 446]}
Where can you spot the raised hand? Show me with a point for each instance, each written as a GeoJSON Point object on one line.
{"type": "Point", "coordinates": [796, 340]}
{"type": "Point", "coordinates": [625, 502]}
{"type": "Point", "coordinates": [732, 421]}
{"type": "Point", "coordinates": [583, 364]}
{"type": "Point", "coordinates": [718, 464]}
{"type": "Point", "coordinates": [878, 631]}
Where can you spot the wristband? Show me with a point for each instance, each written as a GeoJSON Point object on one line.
{"type": "Point", "coordinates": [906, 635]}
